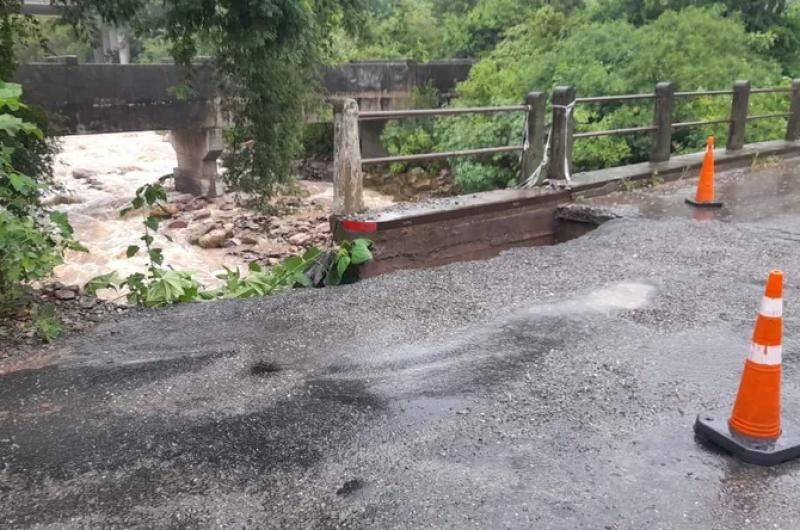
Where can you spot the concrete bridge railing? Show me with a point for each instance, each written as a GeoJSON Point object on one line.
{"type": "Point", "coordinates": [546, 152]}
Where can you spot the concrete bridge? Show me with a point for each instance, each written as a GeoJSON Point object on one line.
{"type": "Point", "coordinates": [102, 98]}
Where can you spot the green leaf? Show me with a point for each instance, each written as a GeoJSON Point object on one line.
{"type": "Point", "coordinates": [333, 278]}
{"type": "Point", "coordinates": [342, 264]}
{"type": "Point", "coordinates": [153, 193]}
{"type": "Point", "coordinates": [22, 184]}
{"type": "Point", "coordinates": [132, 251]}
{"type": "Point", "coordinates": [77, 246]}
{"type": "Point", "coordinates": [293, 263]}
{"type": "Point", "coordinates": [10, 90]}
{"type": "Point", "coordinates": [151, 223]}
{"type": "Point", "coordinates": [255, 267]}
{"type": "Point", "coordinates": [302, 279]}
{"type": "Point", "coordinates": [111, 280]}
{"type": "Point", "coordinates": [167, 289]}
{"type": "Point", "coordinates": [360, 252]}
{"type": "Point", "coordinates": [61, 220]}
{"type": "Point", "coordinates": [11, 125]}
{"type": "Point", "coordinates": [311, 255]}
{"type": "Point", "coordinates": [156, 256]}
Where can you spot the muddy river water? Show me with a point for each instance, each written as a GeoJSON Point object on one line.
{"type": "Point", "coordinates": [97, 175]}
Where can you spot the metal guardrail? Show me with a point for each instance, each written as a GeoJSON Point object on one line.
{"type": "Point", "coordinates": [416, 113]}
{"type": "Point", "coordinates": [555, 156]}
{"type": "Point", "coordinates": [665, 96]}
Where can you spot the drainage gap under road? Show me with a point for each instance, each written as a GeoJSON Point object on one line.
{"type": "Point", "coordinates": [480, 226]}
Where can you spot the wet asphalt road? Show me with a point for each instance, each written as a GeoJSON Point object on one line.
{"type": "Point", "coordinates": [547, 388]}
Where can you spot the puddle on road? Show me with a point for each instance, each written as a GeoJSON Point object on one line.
{"type": "Point", "coordinates": [625, 296]}
{"type": "Point", "coordinates": [423, 409]}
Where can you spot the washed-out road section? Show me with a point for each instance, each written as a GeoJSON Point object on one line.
{"type": "Point", "coordinates": [550, 387]}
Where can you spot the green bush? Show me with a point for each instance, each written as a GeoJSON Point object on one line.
{"type": "Point", "coordinates": [32, 241]}
{"type": "Point", "coordinates": [478, 131]}
{"type": "Point", "coordinates": [409, 137]}
{"type": "Point", "coordinates": [412, 136]}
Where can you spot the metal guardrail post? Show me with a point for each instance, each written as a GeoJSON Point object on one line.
{"type": "Point", "coordinates": [793, 130]}
{"type": "Point", "coordinates": [563, 129]}
{"type": "Point", "coordinates": [739, 108]}
{"type": "Point", "coordinates": [348, 185]}
{"type": "Point", "coordinates": [662, 138]}
{"type": "Point", "coordinates": [533, 153]}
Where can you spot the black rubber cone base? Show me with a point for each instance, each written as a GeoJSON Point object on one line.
{"type": "Point", "coordinates": [714, 428]}
{"type": "Point", "coordinates": [712, 204]}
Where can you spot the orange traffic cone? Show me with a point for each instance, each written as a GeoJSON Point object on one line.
{"type": "Point", "coordinates": [704, 198]}
{"type": "Point", "coordinates": [753, 432]}
{"type": "Point", "coordinates": [757, 410]}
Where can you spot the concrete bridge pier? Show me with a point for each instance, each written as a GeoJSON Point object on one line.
{"type": "Point", "coordinates": [197, 151]}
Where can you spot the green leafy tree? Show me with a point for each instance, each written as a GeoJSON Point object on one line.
{"type": "Point", "coordinates": [760, 15]}
{"type": "Point", "coordinates": [694, 48]}
{"type": "Point", "coordinates": [408, 29]}
{"type": "Point", "coordinates": [476, 32]}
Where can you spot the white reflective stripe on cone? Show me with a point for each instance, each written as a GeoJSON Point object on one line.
{"type": "Point", "coordinates": [766, 354]}
{"type": "Point", "coordinates": [772, 307]}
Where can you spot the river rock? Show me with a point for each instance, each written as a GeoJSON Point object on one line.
{"type": "Point", "coordinates": [65, 294]}
{"type": "Point", "coordinates": [197, 204]}
{"type": "Point", "coordinates": [249, 240]}
{"type": "Point", "coordinates": [202, 214]}
{"type": "Point", "coordinates": [88, 302]}
{"type": "Point", "coordinates": [195, 233]}
{"type": "Point", "coordinates": [83, 173]}
{"type": "Point", "coordinates": [175, 225]}
{"type": "Point", "coordinates": [164, 211]}
{"type": "Point", "coordinates": [300, 238]}
{"type": "Point", "coordinates": [423, 184]}
{"type": "Point", "coordinates": [214, 239]}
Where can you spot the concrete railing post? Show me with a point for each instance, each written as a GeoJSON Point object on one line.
{"type": "Point", "coordinates": [348, 186]}
{"type": "Point", "coordinates": [563, 129]}
{"type": "Point", "coordinates": [739, 109]}
{"type": "Point", "coordinates": [793, 130]}
{"type": "Point", "coordinates": [662, 138]}
{"type": "Point", "coordinates": [533, 154]}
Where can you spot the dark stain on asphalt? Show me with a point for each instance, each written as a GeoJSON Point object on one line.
{"type": "Point", "coordinates": [264, 369]}
{"type": "Point", "coordinates": [349, 487]}
{"type": "Point", "coordinates": [145, 458]}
